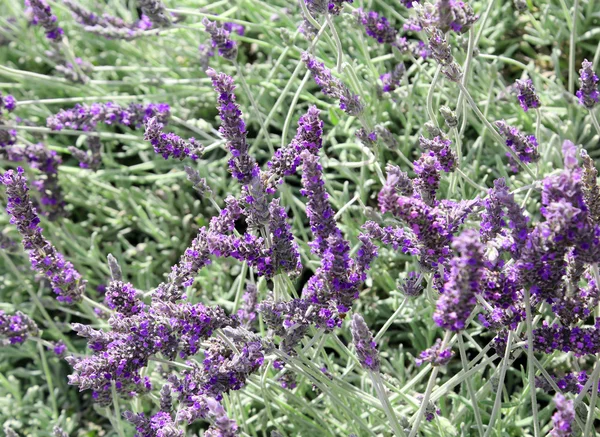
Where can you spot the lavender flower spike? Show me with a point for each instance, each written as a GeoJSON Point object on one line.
{"type": "Point", "coordinates": [366, 348]}
{"type": "Point", "coordinates": [376, 26]}
{"type": "Point", "coordinates": [331, 86]}
{"type": "Point", "coordinates": [169, 144]}
{"type": "Point", "coordinates": [563, 418]}
{"type": "Point", "coordinates": [66, 282]}
{"type": "Point", "coordinates": [459, 295]}
{"type": "Point", "coordinates": [220, 39]}
{"type": "Point", "coordinates": [16, 328]}
{"type": "Point", "coordinates": [320, 213]}
{"type": "Point", "coordinates": [526, 94]}
{"type": "Point", "coordinates": [42, 15]}
{"type": "Point", "coordinates": [588, 93]}
{"type": "Point", "coordinates": [155, 11]}
{"type": "Point", "coordinates": [233, 128]}
{"type": "Point", "coordinates": [525, 146]}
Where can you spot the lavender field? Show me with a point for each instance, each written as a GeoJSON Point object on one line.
{"type": "Point", "coordinates": [299, 218]}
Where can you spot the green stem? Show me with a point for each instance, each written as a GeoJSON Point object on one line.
{"type": "Point", "coordinates": [385, 403]}
{"type": "Point", "coordinates": [530, 366]}
{"type": "Point", "coordinates": [465, 365]}
{"type": "Point", "coordinates": [592, 407]}
{"type": "Point", "coordinates": [338, 44]}
{"type": "Point", "coordinates": [430, 112]}
{"type": "Point", "coordinates": [493, 131]}
{"type": "Point", "coordinates": [48, 380]}
{"type": "Point", "coordinates": [498, 400]}
{"type": "Point", "coordinates": [258, 114]}
{"type": "Point", "coordinates": [595, 121]}
{"type": "Point", "coordinates": [572, 41]}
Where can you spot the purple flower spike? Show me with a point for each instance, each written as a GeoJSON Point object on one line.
{"type": "Point", "coordinates": [458, 297]}
{"type": "Point", "coordinates": [7, 102]}
{"type": "Point", "coordinates": [366, 348]}
{"type": "Point", "coordinates": [525, 146]}
{"type": "Point", "coordinates": [42, 15]}
{"type": "Point", "coordinates": [320, 213]}
{"type": "Point", "coordinates": [65, 281]}
{"type": "Point", "coordinates": [286, 256]}
{"type": "Point", "coordinates": [242, 165]}
{"type": "Point", "coordinates": [392, 80]}
{"type": "Point", "coordinates": [170, 145]}
{"type": "Point", "coordinates": [155, 11]}
{"type": "Point", "coordinates": [588, 93]}
{"type": "Point", "coordinates": [377, 27]}
{"type": "Point", "coordinates": [563, 418]}
{"type": "Point", "coordinates": [220, 39]}
{"type": "Point", "coordinates": [87, 117]}
{"type": "Point", "coordinates": [526, 94]}
{"type": "Point", "coordinates": [441, 149]}
{"type": "Point", "coordinates": [331, 86]}
{"type": "Point", "coordinates": [435, 355]}
{"type": "Point", "coordinates": [16, 329]}
{"type": "Point", "coordinates": [287, 159]}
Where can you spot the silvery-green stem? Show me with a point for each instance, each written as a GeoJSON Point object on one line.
{"type": "Point", "coordinates": [572, 47]}
{"type": "Point", "coordinates": [595, 121]}
{"type": "Point", "coordinates": [592, 407]}
{"type": "Point", "coordinates": [498, 400]}
{"type": "Point", "coordinates": [415, 428]}
{"type": "Point", "coordinates": [493, 131]}
{"type": "Point", "coordinates": [472, 395]}
{"type": "Point", "coordinates": [530, 365]}
{"type": "Point", "coordinates": [430, 112]}
{"type": "Point", "coordinates": [257, 112]}
{"type": "Point", "coordinates": [385, 403]}
{"type": "Point", "coordinates": [48, 380]}
{"type": "Point", "coordinates": [338, 44]}
{"type": "Point", "coordinates": [391, 320]}
{"type": "Point", "coordinates": [115, 399]}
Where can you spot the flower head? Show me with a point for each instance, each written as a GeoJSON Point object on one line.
{"type": "Point", "coordinates": [42, 15]}
{"type": "Point", "coordinates": [366, 348]}
{"type": "Point", "coordinates": [588, 93]}
{"type": "Point", "coordinates": [526, 94]}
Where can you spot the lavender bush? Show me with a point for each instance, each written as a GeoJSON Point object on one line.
{"type": "Point", "coordinates": [281, 218]}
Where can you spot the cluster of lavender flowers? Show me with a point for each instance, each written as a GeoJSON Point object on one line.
{"type": "Point", "coordinates": [41, 14]}
{"type": "Point", "coordinates": [331, 86]}
{"type": "Point", "coordinates": [87, 117]}
{"type": "Point", "coordinates": [8, 137]}
{"type": "Point", "coordinates": [108, 26]}
{"type": "Point", "coordinates": [65, 281]}
{"type": "Point", "coordinates": [524, 146]}
{"type": "Point", "coordinates": [16, 328]}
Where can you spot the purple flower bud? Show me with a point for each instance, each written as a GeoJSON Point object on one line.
{"type": "Point", "coordinates": [392, 80]}
{"type": "Point", "coordinates": [220, 39]}
{"type": "Point", "coordinates": [376, 26]}
{"type": "Point", "coordinates": [591, 191]}
{"type": "Point", "coordinates": [526, 147]}
{"type": "Point", "coordinates": [527, 95]}
{"type": "Point", "coordinates": [563, 418]}
{"type": "Point", "coordinates": [441, 149]}
{"type": "Point", "coordinates": [435, 355]}
{"type": "Point", "coordinates": [285, 254]}
{"type": "Point", "coordinates": [366, 348]}
{"type": "Point", "coordinates": [331, 86]}
{"type": "Point", "coordinates": [588, 93]}
{"type": "Point", "coordinates": [170, 145]}
{"type": "Point", "coordinates": [42, 15]}
{"type": "Point", "coordinates": [16, 329]}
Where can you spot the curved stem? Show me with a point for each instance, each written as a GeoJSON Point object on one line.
{"type": "Point", "coordinates": [472, 395]}
{"type": "Point", "coordinates": [338, 44]}
{"type": "Point", "coordinates": [430, 112]}
{"type": "Point", "coordinates": [572, 41]}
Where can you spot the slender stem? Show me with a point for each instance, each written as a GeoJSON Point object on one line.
{"type": "Point", "coordinates": [258, 114]}
{"type": "Point", "coordinates": [498, 400]}
{"type": "Point", "coordinates": [538, 123]}
{"type": "Point", "coordinates": [430, 112]}
{"type": "Point", "coordinates": [385, 403]}
{"type": "Point", "coordinates": [572, 42]}
{"type": "Point", "coordinates": [428, 390]}
{"type": "Point", "coordinates": [115, 398]}
{"type": "Point", "coordinates": [595, 121]}
{"type": "Point", "coordinates": [530, 365]}
{"type": "Point", "coordinates": [493, 131]}
{"type": "Point", "coordinates": [472, 395]}
{"type": "Point", "coordinates": [48, 380]}
{"type": "Point", "coordinates": [592, 407]}
{"type": "Point", "coordinates": [466, 68]}
{"type": "Point", "coordinates": [338, 44]}
{"type": "Point", "coordinates": [290, 114]}
{"type": "Point", "coordinates": [391, 320]}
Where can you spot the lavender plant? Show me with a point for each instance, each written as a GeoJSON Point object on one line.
{"type": "Point", "coordinates": [368, 236]}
